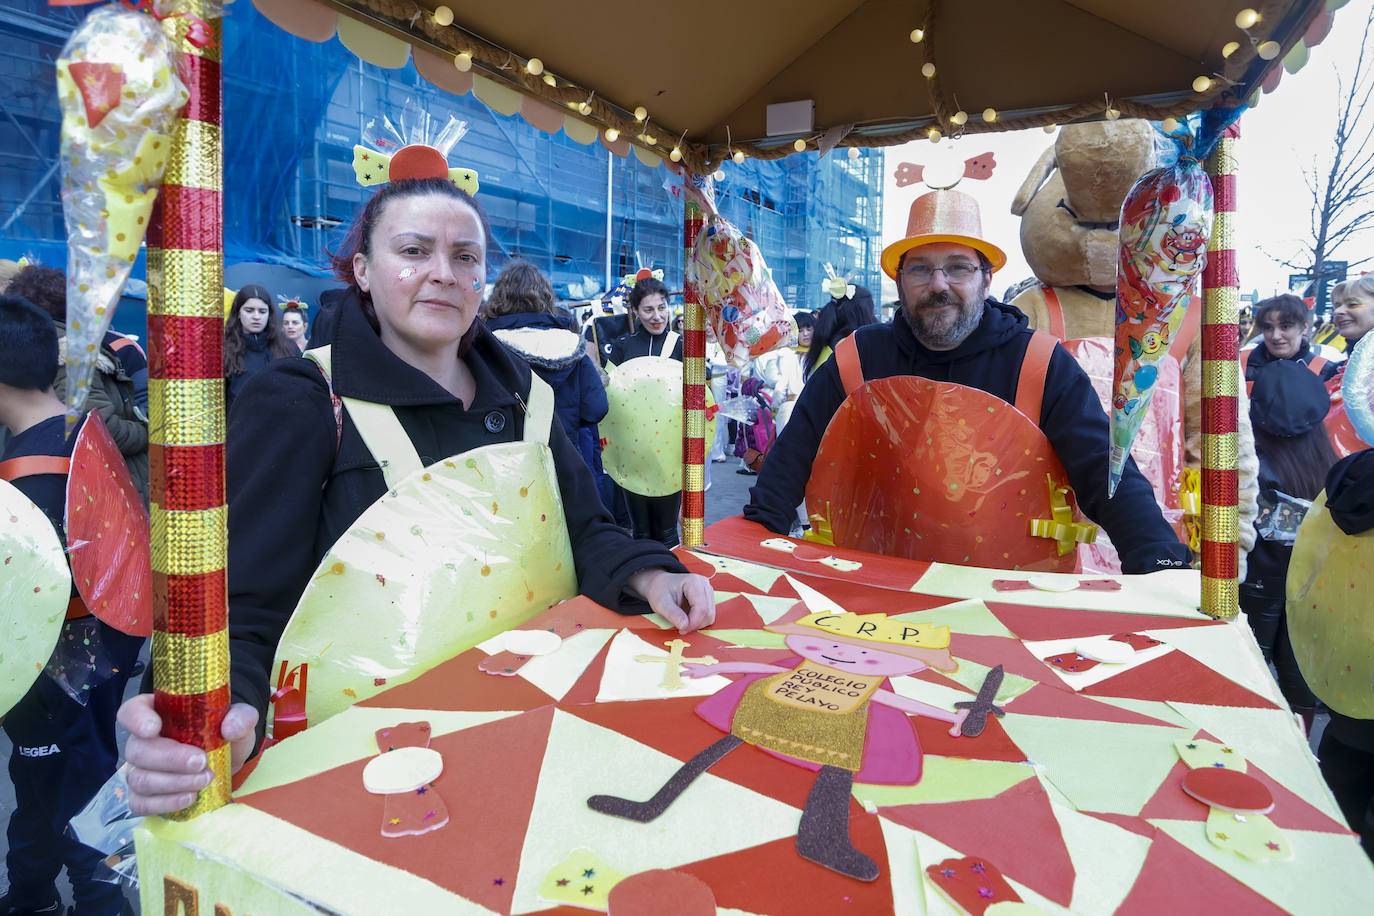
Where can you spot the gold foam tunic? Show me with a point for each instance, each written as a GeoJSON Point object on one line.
{"type": "Point", "coordinates": [813, 712]}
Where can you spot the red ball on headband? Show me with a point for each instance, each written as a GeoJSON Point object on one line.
{"type": "Point", "coordinates": [417, 161]}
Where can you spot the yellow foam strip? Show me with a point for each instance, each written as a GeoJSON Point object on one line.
{"type": "Point", "coordinates": [188, 542]}
{"type": "Point", "coordinates": [218, 853]}
{"type": "Point", "coordinates": [186, 411]}
{"type": "Point", "coordinates": [189, 665]}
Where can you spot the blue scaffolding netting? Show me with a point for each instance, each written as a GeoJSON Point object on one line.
{"type": "Point", "coordinates": [294, 109]}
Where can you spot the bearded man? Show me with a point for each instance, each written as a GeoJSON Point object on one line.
{"type": "Point", "coordinates": [949, 330]}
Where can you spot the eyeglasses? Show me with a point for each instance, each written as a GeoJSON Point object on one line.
{"type": "Point", "coordinates": [921, 274]}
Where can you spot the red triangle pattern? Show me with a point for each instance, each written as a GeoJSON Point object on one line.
{"type": "Point", "coordinates": [458, 684]}
{"type": "Point", "coordinates": [584, 690]}
{"type": "Point", "coordinates": [1137, 825]}
{"type": "Point", "coordinates": [1045, 700]}
{"type": "Point", "coordinates": [773, 878]}
{"type": "Point", "coordinates": [737, 537]}
{"type": "Point", "coordinates": [1179, 677]}
{"type": "Point", "coordinates": [1014, 830]}
{"type": "Point", "coordinates": [737, 614]}
{"type": "Point", "coordinates": [992, 744]}
{"type": "Point", "coordinates": [1011, 654]}
{"type": "Point", "coordinates": [1037, 623]}
{"type": "Point", "coordinates": [1170, 802]}
{"type": "Point", "coordinates": [869, 598]}
{"type": "Point", "coordinates": [483, 841]}
{"type": "Point", "coordinates": [1175, 881]}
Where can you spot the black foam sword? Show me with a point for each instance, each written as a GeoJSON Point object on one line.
{"type": "Point", "coordinates": [979, 707]}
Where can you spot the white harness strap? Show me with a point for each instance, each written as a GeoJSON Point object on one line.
{"type": "Point", "coordinates": [669, 343]}
{"type": "Point", "coordinates": [386, 439]}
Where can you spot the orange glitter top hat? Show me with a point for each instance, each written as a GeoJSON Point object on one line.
{"type": "Point", "coordinates": [942, 216]}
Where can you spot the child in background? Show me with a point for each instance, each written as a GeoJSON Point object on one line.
{"type": "Point", "coordinates": [64, 750]}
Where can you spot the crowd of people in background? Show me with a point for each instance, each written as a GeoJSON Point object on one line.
{"type": "Point", "coordinates": [1288, 378]}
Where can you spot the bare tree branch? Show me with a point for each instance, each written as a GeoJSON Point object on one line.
{"type": "Point", "coordinates": [1342, 182]}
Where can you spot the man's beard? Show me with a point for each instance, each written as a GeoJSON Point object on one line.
{"type": "Point", "coordinates": [943, 330]}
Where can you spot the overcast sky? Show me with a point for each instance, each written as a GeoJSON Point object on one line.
{"type": "Point", "coordinates": [1279, 136]}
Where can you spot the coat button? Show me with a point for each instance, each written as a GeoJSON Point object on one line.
{"type": "Point", "coordinates": [495, 421]}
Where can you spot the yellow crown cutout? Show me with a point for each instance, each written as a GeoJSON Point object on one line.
{"type": "Point", "coordinates": [877, 628]}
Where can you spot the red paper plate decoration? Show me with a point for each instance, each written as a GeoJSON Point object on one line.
{"type": "Point", "coordinates": [1229, 790]}
{"type": "Point", "coordinates": [937, 471]}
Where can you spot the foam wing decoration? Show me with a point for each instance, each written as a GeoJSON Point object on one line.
{"type": "Point", "coordinates": [642, 445]}
{"type": "Point", "coordinates": [1329, 622]}
{"type": "Point", "coordinates": [119, 92]}
{"type": "Point", "coordinates": [454, 554]}
{"type": "Point", "coordinates": [34, 590]}
{"type": "Point", "coordinates": [372, 167]}
{"type": "Point", "coordinates": [107, 533]}
{"type": "Point", "coordinates": [743, 303]}
{"type": "Point", "coordinates": [1166, 222]}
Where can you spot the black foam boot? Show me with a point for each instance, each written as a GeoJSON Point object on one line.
{"type": "Point", "coordinates": [823, 836]}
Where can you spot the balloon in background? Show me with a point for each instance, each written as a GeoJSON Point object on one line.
{"type": "Point", "coordinates": [1166, 222]}
{"type": "Point", "coordinates": [1357, 388]}
{"type": "Point", "coordinates": [119, 92]}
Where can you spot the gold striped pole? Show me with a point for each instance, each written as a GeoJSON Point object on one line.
{"type": "Point", "coordinates": [186, 407]}
{"type": "Point", "coordinates": [693, 386]}
{"type": "Point", "coordinates": [1220, 386]}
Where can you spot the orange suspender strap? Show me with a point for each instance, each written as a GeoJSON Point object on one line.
{"type": "Point", "coordinates": [1316, 364]}
{"type": "Point", "coordinates": [1056, 312]}
{"type": "Point", "coordinates": [29, 465]}
{"type": "Point", "coordinates": [847, 361]}
{"type": "Point", "coordinates": [1030, 386]}
{"type": "Point", "coordinates": [1244, 366]}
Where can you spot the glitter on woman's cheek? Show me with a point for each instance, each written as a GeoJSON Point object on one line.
{"type": "Point", "coordinates": [406, 273]}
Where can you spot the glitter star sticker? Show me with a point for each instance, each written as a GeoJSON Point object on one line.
{"type": "Point", "coordinates": [589, 873]}
{"type": "Point", "coordinates": [588, 889]}
{"type": "Point", "coordinates": [1272, 845]}
{"type": "Point", "coordinates": [562, 882]}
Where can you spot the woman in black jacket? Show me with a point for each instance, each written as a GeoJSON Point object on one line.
{"type": "Point", "coordinates": [651, 516]}
{"type": "Point", "coordinates": [1287, 407]}
{"type": "Point", "coordinates": [521, 313]}
{"type": "Point", "coordinates": [407, 340]}
{"type": "Point", "coordinates": [253, 337]}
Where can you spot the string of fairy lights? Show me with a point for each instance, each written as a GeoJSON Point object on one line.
{"type": "Point", "coordinates": [617, 124]}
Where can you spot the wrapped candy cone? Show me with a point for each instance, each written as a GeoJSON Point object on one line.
{"type": "Point", "coordinates": [1166, 222]}
{"type": "Point", "coordinates": [119, 91]}
{"type": "Point", "coordinates": [744, 306]}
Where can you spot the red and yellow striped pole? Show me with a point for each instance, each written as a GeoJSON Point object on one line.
{"type": "Point", "coordinates": [693, 388]}
{"type": "Point", "coordinates": [186, 405]}
{"type": "Point", "coordinates": [1220, 386]}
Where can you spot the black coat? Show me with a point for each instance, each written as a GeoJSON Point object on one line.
{"type": "Point", "coordinates": [990, 359]}
{"type": "Point", "coordinates": [293, 491]}
{"type": "Point", "coordinates": [560, 358]}
{"type": "Point", "coordinates": [257, 353]}
{"type": "Point", "coordinates": [642, 343]}
{"type": "Point", "coordinates": [1260, 357]}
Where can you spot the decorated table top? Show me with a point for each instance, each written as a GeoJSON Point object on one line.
{"type": "Point", "coordinates": [1144, 763]}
